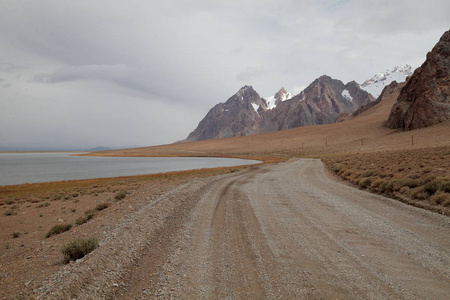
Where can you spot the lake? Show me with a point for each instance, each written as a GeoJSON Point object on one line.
{"type": "Point", "coordinates": [20, 168]}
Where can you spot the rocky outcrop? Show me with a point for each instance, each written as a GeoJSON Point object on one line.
{"type": "Point", "coordinates": [247, 113]}
{"type": "Point", "coordinates": [425, 99]}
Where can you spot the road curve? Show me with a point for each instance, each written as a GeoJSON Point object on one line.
{"type": "Point", "coordinates": [290, 231]}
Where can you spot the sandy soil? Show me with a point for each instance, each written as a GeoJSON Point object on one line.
{"type": "Point", "coordinates": [280, 231]}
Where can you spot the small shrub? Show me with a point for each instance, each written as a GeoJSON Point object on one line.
{"type": "Point", "coordinates": [348, 173]}
{"type": "Point", "coordinates": [365, 182]}
{"type": "Point", "coordinates": [102, 206]}
{"type": "Point", "coordinates": [9, 201]}
{"type": "Point", "coordinates": [432, 187]}
{"type": "Point", "coordinates": [427, 170]}
{"type": "Point", "coordinates": [387, 186]}
{"type": "Point", "coordinates": [336, 169]}
{"type": "Point", "coordinates": [404, 190]}
{"type": "Point", "coordinates": [445, 186]}
{"type": "Point", "coordinates": [342, 171]}
{"type": "Point", "coordinates": [15, 234]}
{"type": "Point", "coordinates": [46, 204]}
{"type": "Point", "coordinates": [120, 195]}
{"type": "Point", "coordinates": [10, 212]}
{"type": "Point", "coordinates": [85, 218]}
{"type": "Point", "coordinates": [377, 183]}
{"type": "Point", "coordinates": [368, 173]}
{"type": "Point", "coordinates": [57, 229]}
{"type": "Point", "coordinates": [440, 198]}
{"type": "Point", "coordinates": [78, 248]}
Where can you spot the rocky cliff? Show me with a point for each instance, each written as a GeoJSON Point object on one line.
{"type": "Point", "coordinates": [425, 99]}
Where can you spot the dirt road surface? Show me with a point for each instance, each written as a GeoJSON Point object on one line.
{"type": "Point", "coordinates": [281, 231]}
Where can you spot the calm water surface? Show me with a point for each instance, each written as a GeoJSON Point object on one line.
{"type": "Point", "coordinates": [19, 168]}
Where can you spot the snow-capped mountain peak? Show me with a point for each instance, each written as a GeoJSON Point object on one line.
{"type": "Point", "coordinates": [376, 84]}
{"type": "Point", "coordinates": [280, 96]}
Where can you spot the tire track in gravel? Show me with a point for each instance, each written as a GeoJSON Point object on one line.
{"type": "Point", "coordinates": [288, 231]}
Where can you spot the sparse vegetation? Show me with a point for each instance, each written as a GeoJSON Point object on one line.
{"type": "Point", "coordinates": [88, 215]}
{"type": "Point", "coordinates": [420, 177]}
{"type": "Point", "coordinates": [46, 204]}
{"type": "Point", "coordinates": [57, 229]}
{"type": "Point", "coordinates": [120, 195]}
{"type": "Point", "coordinates": [15, 234]}
{"type": "Point", "coordinates": [102, 206]}
{"type": "Point", "coordinates": [79, 248]}
{"type": "Point", "coordinates": [10, 212]}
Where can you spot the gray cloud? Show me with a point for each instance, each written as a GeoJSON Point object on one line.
{"type": "Point", "coordinates": [158, 67]}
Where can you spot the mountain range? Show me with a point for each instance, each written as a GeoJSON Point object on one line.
{"type": "Point", "coordinates": [423, 101]}
{"type": "Point", "coordinates": [322, 102]}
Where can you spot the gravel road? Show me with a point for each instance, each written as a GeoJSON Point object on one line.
{"type": "Point", "coordinates": [281, 231]}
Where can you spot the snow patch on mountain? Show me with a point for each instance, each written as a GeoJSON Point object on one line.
{"type": "Point", "coordinates": [376, 84]}
{"type": "Point", "coordinates": [346, 95]}
{"type": "Point", "coordinates": [270, 102]}
{"type": "Point", "coordinates": [280, 96]}
{"type": "Point", "coordinates": [255, 107]}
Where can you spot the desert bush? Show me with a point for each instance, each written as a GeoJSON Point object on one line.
{"type": "Point", "coordinates": [336, 169]}
{"type": "Point", "coordinates": [342, 171]}
{"type": "Point", "coordinates": [409, 182]}
{"type": "Point", "coordinates": [46, 204]}
{"type": "Point", "coordinates": [15, 234]}
{"type": "Point", "coordinates": [377, 183]}
{"type": "Point", "coordinates": [433, 186]}
{"type": "Point", "coordinates": [87, 216]}
{"type": "Point", "coordinates": [404, 190]}
{"type": "Point", "coordinates": [10, 212]}
{"type": "Point", "coordinates": [419, 193]}
{"type": "Point", "coordinates": [57, 229]}
{"type": "Point", "coordinates": [427, 170]}
{"type": "Point", "coordinates": [426, 179]}
{"type": "Point", "coordinates": [79, 248]}
{"type": "Point", "coordinates": [387, 186]}
{"type": "Point", "coordinates": [368, 173]}
{"type": "Point", "coordinates": [120, 195]}
{"type": "Point", "coordinates": [102, 206]}
{"type": "Point", "coordinates": [365, 182]}
{"type": "Point", "coordinates": [441, 198]}
{"type": "Point", "coordinates": [445, 186]}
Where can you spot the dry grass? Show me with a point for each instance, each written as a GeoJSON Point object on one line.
{"type": "Point", "coordinates": [420, 177]}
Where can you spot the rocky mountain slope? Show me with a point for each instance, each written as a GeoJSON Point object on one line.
{"type": "Point", "coordinates": [320, 103]}
{"type": "Point", "coordinates": [247, 113]}
{"type": "Point", "coordinates": [425, 100]}
{"type": "Point", "coordinates": [232, 118]}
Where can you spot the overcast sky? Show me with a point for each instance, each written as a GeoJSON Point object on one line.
{"type": "Point", "coordinates": [79, 74]}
